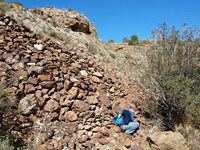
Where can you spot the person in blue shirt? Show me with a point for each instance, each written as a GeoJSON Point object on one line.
{"type": "Point", "coordinates": [127, 121]}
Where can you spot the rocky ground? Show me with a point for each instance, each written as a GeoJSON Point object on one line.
{"type": "Point", "coordinates": [66, 99]}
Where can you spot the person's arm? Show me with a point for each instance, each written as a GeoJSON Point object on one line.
{"type": "Point", "coordinates": [132, 117]}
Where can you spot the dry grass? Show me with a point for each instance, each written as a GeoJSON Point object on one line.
{"type": "Point", "coordinates": [191, 134]}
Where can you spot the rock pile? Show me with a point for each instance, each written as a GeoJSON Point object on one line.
{"type": "Point", "coordinates": [66, 100]}
{"type": "Point", "coordinates": [61, 92]}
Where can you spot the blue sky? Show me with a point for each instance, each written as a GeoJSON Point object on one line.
{"type": "Point", "coordinates": [115, 19]}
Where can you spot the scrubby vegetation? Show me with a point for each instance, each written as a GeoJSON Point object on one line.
{"type": "Point", "coordinates": [125, 40]}
{"type": "Point", "coordinates": [111, 41]}
{"type": "Point", "coordinates": [172, 76]}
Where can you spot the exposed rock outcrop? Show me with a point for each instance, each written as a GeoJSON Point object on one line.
{"type": "Point", "coordinates": [69, 19]}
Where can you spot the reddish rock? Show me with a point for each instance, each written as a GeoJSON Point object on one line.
{"type": "Point", "coordinates": [32, 80]}
{"type": "Point", "coordinates": [55, 96]}
{"type": "Point", "coordinates": [44, 91]}
{"type": "Point", "coordinates": [41, 101]}
{"type": "Point", "coordinates": [98, 135]}
{"type": "Point", "coordinates": [80, 106]}
{"type": "Point", "coordinates": [8, 39]}
{"type": "Point", "coordinates": [18, 66]}
{"type": "Point", "coordinates": [53, 116]}
{"type": "Point", "coordinates": [29, 88]}
{"type": "Point", "coordinates": [5, 66]}
{"type": "Point", "coordinates": [59, 86]}
{"type": "Point", "coordinates": [117, 129]}
{"type": "Point", "coordinates": [103, 141]}
{"type": "Point", "coordinates": [126, 143]}
{"type": "Point", "coordinates": [82, 139]}
{"type": "Point", "coordinates": [44, 77]}
{"type": "Point", "coordinates": [73, 93]}
{"type": "Point", "coordinates": [71, 143]}
{"type": "Point", "coordinates": [66, 103]}
{"type": "Point", "coordinates": [96, 79]}
{"type": "Point", "coordinates": [105, 100]}
{"type": "Point", "coordinates": [67, 84]}
{"type": "Point", "coordinates": [84, 86]}
{"type": "Point", "coordinates": [105, 132]}
{"type": "Point", "coordinates": [38, 93]}
{"type": "Point", "coordinates": [51, 106]}
{"type": "Point", "coordinates": [91, 100]}
{"type": "Point", "coordinates": [70, 116]}
{"type": "Point", "coordinates": [48, 84]}
{"type": "Point", "coordinates": [62, 112]}
{"type": "Point", "coordinates": [63, 69]}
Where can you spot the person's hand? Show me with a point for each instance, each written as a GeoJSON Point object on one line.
{"type": "Point", "coordinates": [137, 120]}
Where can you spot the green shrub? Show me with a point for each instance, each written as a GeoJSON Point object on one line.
{"type": "Point", "coordinates": [112, 55]}
{"type": "Point", "coordinates": [105, 59]}
{"type": "Point", "coordinates": [92, 48]}
{"type": "Point", "coordinates": [5, 106]}
{"type": "Point", "coordinates": [127, 56]}
{"type": "Point", "coordinates": [69, 9]}
{"type": "Point", "coordinates": [36, 10]}
{"type": "Point", "coordinates": [6, 144]}
{"type": "Point", "coordinates": [125, 40]}
{"type": "Point", "coordinates": [134, 40]}
{"type": "Point", "coordinates": [53, 34]}
{"type": "Point", "coordinates": [17, 3]}
{"type": "Point", "coordinates": [172, 76]}
{"type": "Point", "coordinates": [5, 6]}
{"type": "Point", "coordinates": [111, 41]}
{"type": "Point", "coordinates": [143, 42]}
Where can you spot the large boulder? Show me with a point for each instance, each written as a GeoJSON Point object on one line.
{"type": "Point", "coordinates": [28, 104]}
{"type": "Point", "coordinates": [167, 141]}
{"type": "Point", "coordinates": [70, 19]}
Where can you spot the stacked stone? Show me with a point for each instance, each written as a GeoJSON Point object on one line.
{"type": "Point", "coordinates": [63, 94]}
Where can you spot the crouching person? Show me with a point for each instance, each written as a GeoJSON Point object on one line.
{"type": "Point", "coordinates": [127, 121]}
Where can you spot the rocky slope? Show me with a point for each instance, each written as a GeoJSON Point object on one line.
{"type": "Point", "coordinates": [65, 98]}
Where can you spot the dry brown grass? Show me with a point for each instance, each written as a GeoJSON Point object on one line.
{"type": "Point", "coordinates": [191, 134]}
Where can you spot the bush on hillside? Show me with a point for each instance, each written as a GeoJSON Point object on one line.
{"type": "Point", "coordinates": [134, 40]}
{"type": "Point", "coordinates": [5, 6]}
{"type": "Point", "coordinates": [125, 40]}
{"type": "Point", "coordinates": [17, 3]}
{"type": "Point", "coordinates": [144, 42]}
{"type": "Point", "coordinates": [36, 10]}
{"type": "Point", "coordinates": [172, 75]}
{"type": "Point", "coordinates": [111, 41]}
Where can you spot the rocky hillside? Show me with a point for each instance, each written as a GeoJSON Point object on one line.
{"type": "Point", "coordinates": [63, 98]}
{"type": "Point", "coordinates": [63, 25]}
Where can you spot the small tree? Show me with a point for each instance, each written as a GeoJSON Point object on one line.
{"type": "Point", "coordinates": [135, 39]}
{"type": "Point", "coordinates": [125, 40]}
{"type": "Point", "coordinates": [111, 41]}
